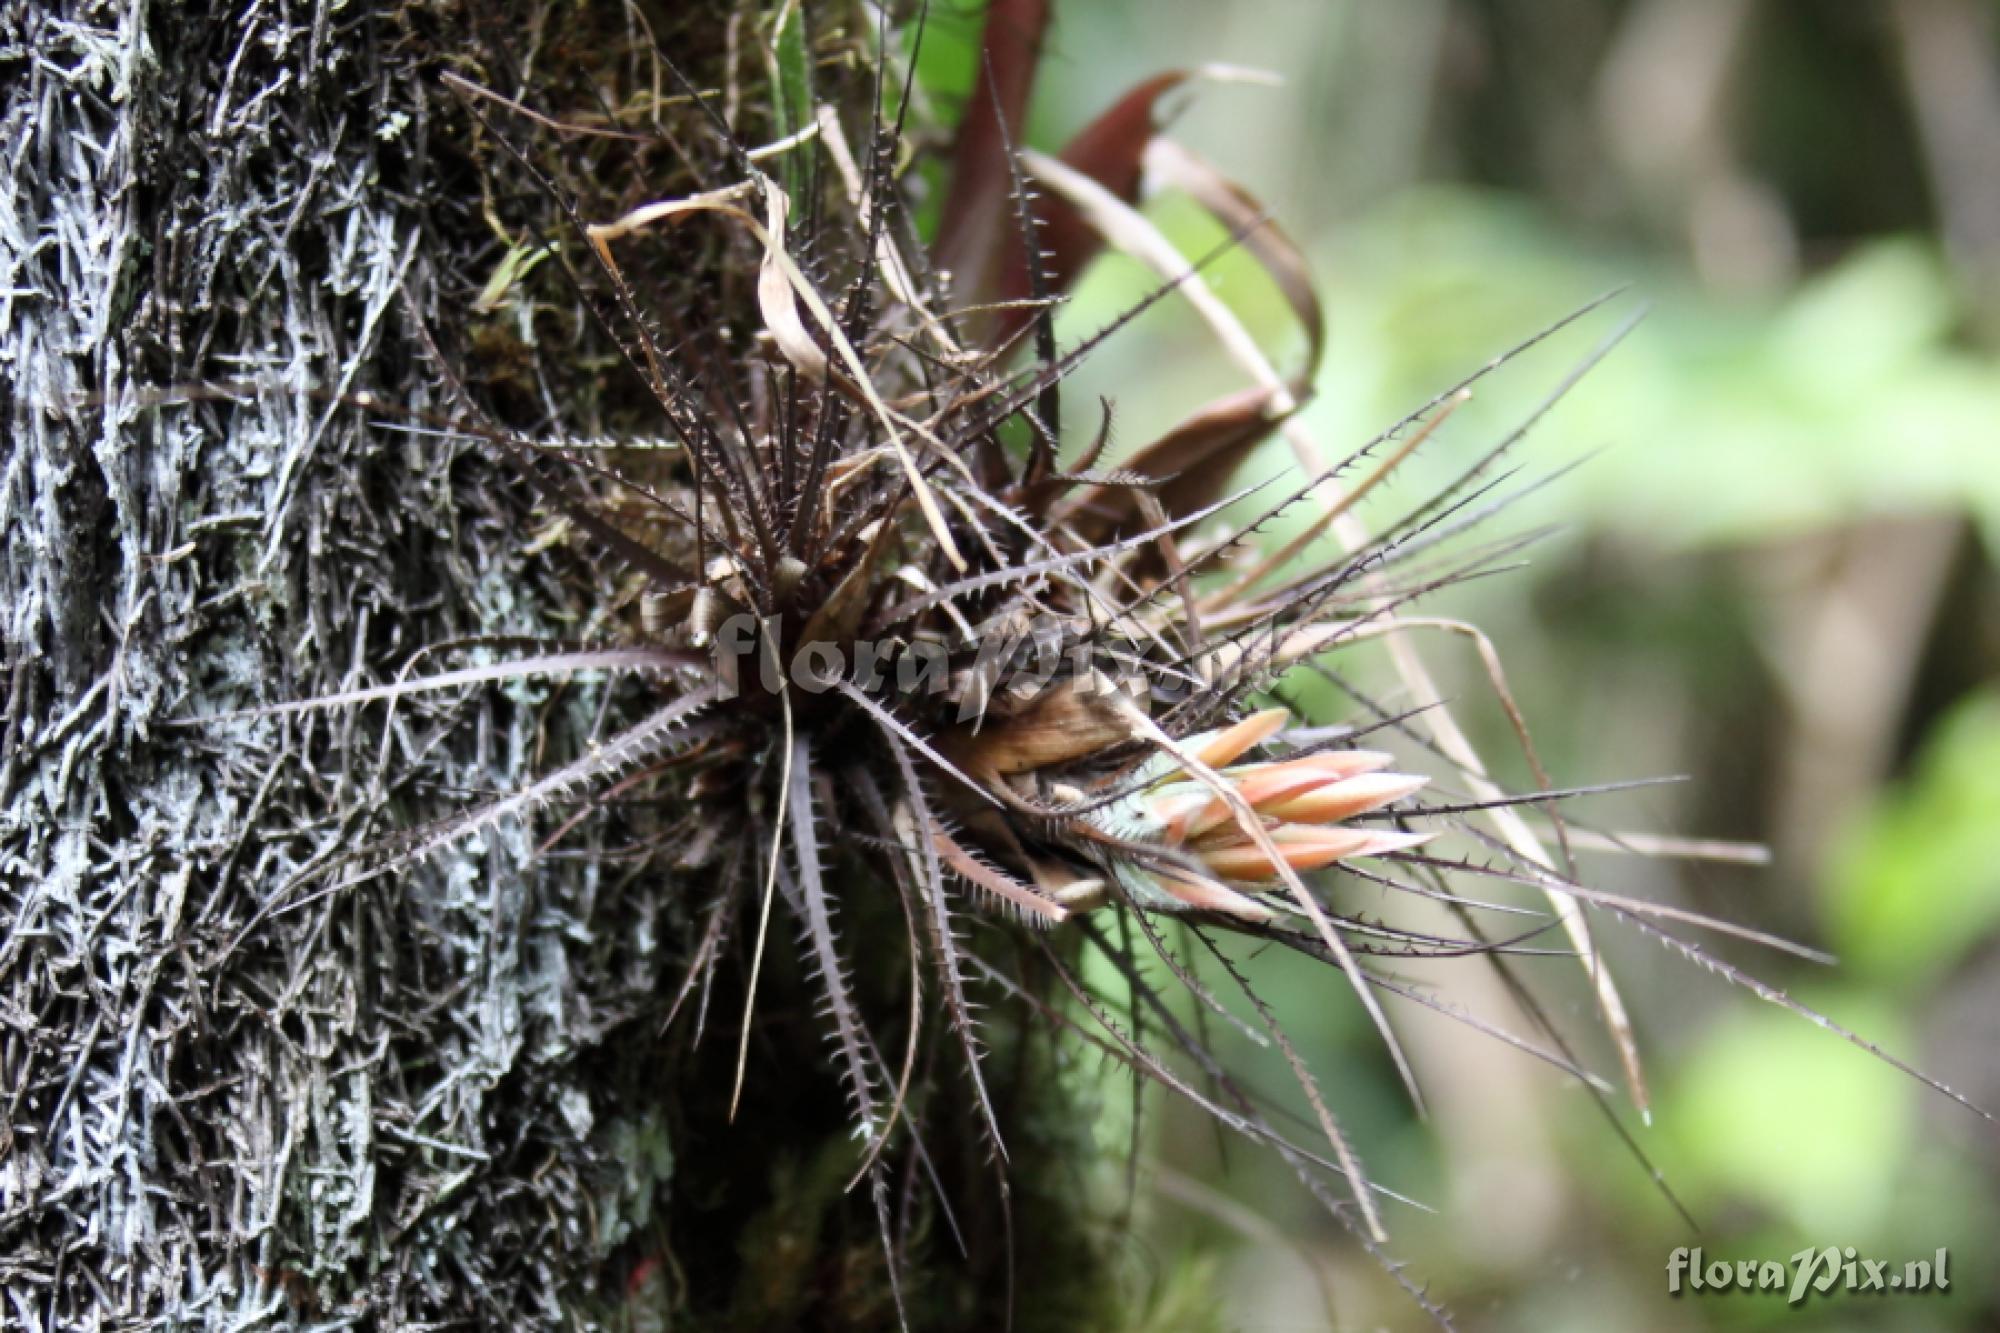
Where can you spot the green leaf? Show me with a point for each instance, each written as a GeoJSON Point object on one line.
{"type": "Point", "coordinates": [515, 265]}
{"type": "Point", "coordinates": [791, 90]}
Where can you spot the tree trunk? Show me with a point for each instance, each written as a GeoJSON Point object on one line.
{"type": "Point", "coordinates": [243, 1086]}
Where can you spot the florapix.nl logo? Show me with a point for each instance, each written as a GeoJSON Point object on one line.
{"type": "Point", "coordinates": [1813, 1271]}
{"type": "Point", "coordinates": [980, 665]}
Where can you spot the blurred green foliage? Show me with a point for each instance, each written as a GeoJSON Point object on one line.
{"type": "Point", "coordinates": [1915, 885]}
{"type": "Point", "coordinates": [1775, 573]}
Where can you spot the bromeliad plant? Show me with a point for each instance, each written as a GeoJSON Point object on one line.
{"type": "Point", "coordinates": [881, 587]}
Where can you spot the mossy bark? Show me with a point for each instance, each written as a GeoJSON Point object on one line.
{"type": "Point", "coordinates": [240, 1089]}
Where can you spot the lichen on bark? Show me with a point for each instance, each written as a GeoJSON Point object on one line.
{"type": "Point", "coordinates": [241, 1092]}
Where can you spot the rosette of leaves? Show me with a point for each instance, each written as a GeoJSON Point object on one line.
{"type": "Point", "coordinates": [920, 656]}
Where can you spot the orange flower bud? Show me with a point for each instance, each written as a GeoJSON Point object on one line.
{"type": "Point", "coordinates": [1217, 748]}
{"type": "Point", "coordinates": [1328, 802]}
{"type": "Point", "coordinates": [1315, 789]}
{"type": "Point", "coordinates": [1206, 895]}
{"type": "Point", "coordinates": [1305, 847]}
